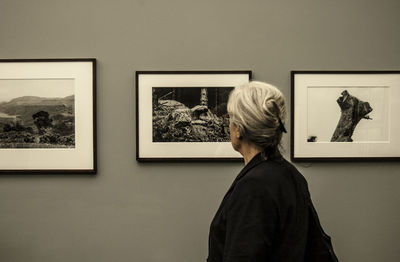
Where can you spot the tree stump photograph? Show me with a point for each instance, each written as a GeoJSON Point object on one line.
{"type": "Point", "coordinates": [347, 114]}
{"type": "Point", "coordinates": [352, 111]}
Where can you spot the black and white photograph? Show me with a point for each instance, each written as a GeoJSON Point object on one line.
{"type": "Point", "coordinates": [48, 116]}
{"type": "Point", "coordinates": [190, 114]}
{"type": "Point", "coordinates": [348, 113]}
{"type": "Point", "coordinates": [37, 113]}
{"type": "Point", "coordinates": [345, 115]}
{"type": "Point", "coordinates": [182, 115]}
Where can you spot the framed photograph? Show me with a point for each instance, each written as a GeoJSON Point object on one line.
{"type": "Point", "coordinates": [345, 115]}
{"type": "Point", "coordinates": [182, 116]}
{"type": "Point", "coordinates": [47, 116]}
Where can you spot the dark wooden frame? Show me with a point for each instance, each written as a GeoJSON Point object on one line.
{"type": "Point", "coordinates": [292, 113]}
{"type": "Point", "coordinates": [189, 159]}
{"type": "Point", "coordinates": [94, 117]}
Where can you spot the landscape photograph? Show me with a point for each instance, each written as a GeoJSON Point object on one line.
{"type": "Point", "coordinates": [37, 113]}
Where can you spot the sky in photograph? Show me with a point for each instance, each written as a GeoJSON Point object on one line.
{"type": "Point", "coordinates": [51, 88]}
{"type": "Point", "coordinates": [324, 112]}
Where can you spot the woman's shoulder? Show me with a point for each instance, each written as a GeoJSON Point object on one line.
{"type": "Point", "coordinates": [270, 169]}
{"type": "Point", "coordinates": [272, 174]}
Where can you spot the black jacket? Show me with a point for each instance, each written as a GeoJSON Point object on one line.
{"type": "Point", "coordinates": [263, 216]}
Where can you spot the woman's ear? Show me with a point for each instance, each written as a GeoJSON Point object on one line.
{"type": "Point", "coordinates": [236, 131]}
{"type": "Point", "coordinates": [239, 136]}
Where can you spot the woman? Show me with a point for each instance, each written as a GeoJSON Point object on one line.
{"type": "Point", "coordinates": [264, 214]}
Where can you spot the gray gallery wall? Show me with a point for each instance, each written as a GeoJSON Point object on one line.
{"type": "Point", "coordinates": [161, 212]}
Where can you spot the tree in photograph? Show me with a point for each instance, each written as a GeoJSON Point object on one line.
{"type": "Point", "coordinates": [41, 120]}
{"type": "Point", "coordinates": [204, 97]}
{"type": "Point", "coordinates": [352, 111]}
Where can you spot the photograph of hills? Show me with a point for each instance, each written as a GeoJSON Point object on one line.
{"type": "Point", "coordinates": [37, 113]}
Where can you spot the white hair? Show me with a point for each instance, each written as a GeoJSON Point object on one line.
{"type": "Point", "coordinates": [257, 108]}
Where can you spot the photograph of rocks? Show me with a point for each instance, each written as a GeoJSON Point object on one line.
{"type": "Point", "coordinates": [190, 114]}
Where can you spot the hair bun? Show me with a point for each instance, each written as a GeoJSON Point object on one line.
{"type": "Point", "coordinates": [258, 109]}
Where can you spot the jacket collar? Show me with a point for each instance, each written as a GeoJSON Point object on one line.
{"type": "Point", "coordinates": [255, 161]}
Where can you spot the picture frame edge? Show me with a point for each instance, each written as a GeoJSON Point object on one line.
{"type": "Point", "coordinates": [293, 74]}
{"type": "Point", "coordinates": [94, 169]}
{"type": "Point", "coordinates": [183, 72]}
